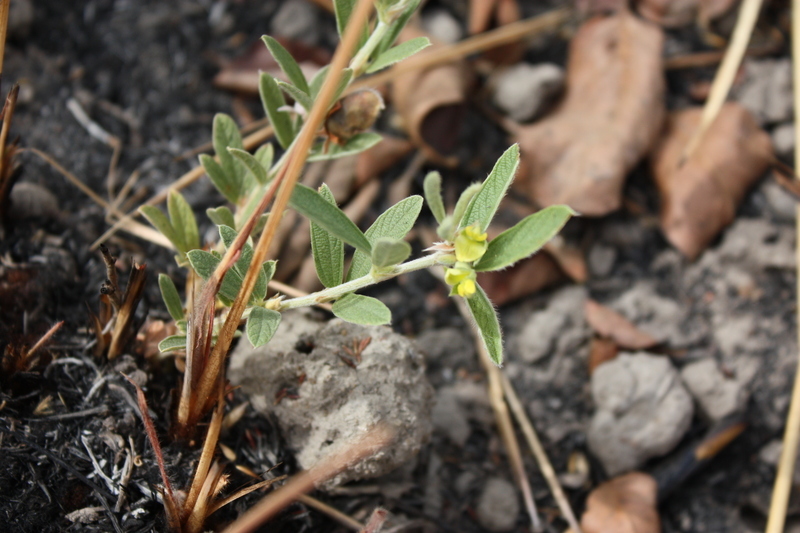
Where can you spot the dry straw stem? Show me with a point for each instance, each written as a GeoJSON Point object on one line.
{"type": "Point", "coordinates": [4, 5]}
{"type": "Point", "coordinates": [374, 440]}
{"type": "Point", "coordinates": [336, 514]}
{"type": "Point", "coordinates": [746, 21]}
{"type": "Point", "coordinates": [541, 456]}
{"type": "Point", "coordinates": [791, 437]}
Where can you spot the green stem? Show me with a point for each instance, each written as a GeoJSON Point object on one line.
{"type": "Point", "coordinates": [333, 293]}
{"type": "Point", "coordinates": [359, 61]}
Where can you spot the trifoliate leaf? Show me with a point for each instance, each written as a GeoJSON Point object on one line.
{"type": "Point", "coordinates": [525, 238]}
{"type": "Point", "coordinates": [169, 293]}
{"type": "Point", "coordinates": [262, 325]}
{"type": "Point", "coordinates": [287, 63]}
{"type": "Point", "coordinates": [398, 53]}
{"type": "Point", "coordinates": [241, 266]}
{"type": "Point", "coordinates": [487, 324]}
{"type": "Point", "coordinates": [432, 186]}
{"type": "Point", "coordinates": [388, 252]}
{"type": "Point", "coordinates": [311, 205]}
{"type": "Point", "coordinates": [484, 205]}
{"type": "Point", "coordinates": [225, 134]}
{"type": "Point", "coordinates": [394, 223]}
{"type": "Point", "coordinates": [272, 100]}
{"type": "Point", "coordinates": [360, 309]}
{"type": "Point", "coordinates": [355, 145]}
{"type": "Point", "coordinates": [328, 251]}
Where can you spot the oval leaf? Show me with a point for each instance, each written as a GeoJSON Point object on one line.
{"type": "Point", "coordinates": [272, 100]}
{"type": "Point", "coordinates": [360, 309]}
{"type": "Point", "coordinates": [525, 238]}
{"type": "Point", "coordinates": [264, 155]}
{"type": "Point", "coordinates": [226, 185]}
{"type": "Point", "coordinates": [262, 325]}
{"type": "Point", "coordinates": [311, 205]}
{"type": "Point", "coordinates": [487, 324]}
{"type": "Point", "coordinates": [182, 218]}
{"type": "Point", "coordinates": [160, 221]}
{"type": "Point", "coordinates": [225, 134]}
{"type": "Point", "coordinates": [484, 204]}
{"type": "Point", "coordinates": [252, 164]}
{"type": "Point", "coordinates": [169, 293]}
{"type": "Point", "coordinates": [432, 186]}
{"type": "Point", "coordinates": [172, 343]}
{"type": "Point", "coordinates": [387, 252]}
{"type": "Point", "coordinates": [355, 145]}
{"type": "Point", "coordinates": [221, 216]}
{"type": "Point", "coordinates": [205, 263]}
{"type": "Point", "coordinates": [296, 94]}
{"type": "Point", "coordinates": [229, 235]}
{"type": "Point", "coordinates": [398, 53]}
{"type": "Point", "coordinates": [327, 250]}
{"type": "Point", "coordinates": [287, 63]}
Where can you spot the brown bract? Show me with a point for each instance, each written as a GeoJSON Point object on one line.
{"type": "Point", "coordinates": [700, 197]}
{"type": "Point", "coordinates": [610, 324]}
{"type": "Point", "coordinates": [625, 504]}
{"type": "Point", "coordinates": [431, 103]}
{"type": "Point", "coordinates": [609, 119]}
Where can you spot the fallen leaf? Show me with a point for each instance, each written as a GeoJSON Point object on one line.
{"type": "Point", "coordinates": [381, 157]}
{"type": "Point", "coordinates": [676, 13]}
{"type": "Point", "coordinates": [625, 504]}
{"type": "Point", "coordinates": [525, 277]}
{"type": "Point", "coordinates": [608, 323]}
{"type": "Point", "coordinates": [431, 102]}
{"type": "Point", "coordinates": [700, 197]}
{"type": "Point", "coordinates": [488, 14]}
{"type": "Point", "coordinates": [601, 349]}
{"type": "Point", "coordinates": [610, 117]}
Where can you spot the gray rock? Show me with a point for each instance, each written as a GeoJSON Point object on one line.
{"type": "Point", "coordinates": [716, 395]}
{"type": "Point", "coordinates": [523, 90]}
{"type": "Point", "coordinates": [330, 403]}
{"type": "Point", "coordinates": [601, 259]}
{"type": "Point", "coordinates": [643, 410]}
{"type": "Point", "coordinates": [498, 505]}
{"type": "Point", "coordinates": [767, 90]}
{"type": "Point", "coordinates": [661, 317]}
{"type": "Point", "coordinates": [557, 328]}
{"type": "Point", "coordinates": [440, 24]}
{"type": "Point", "coordinates": [783, 140]}
{"type": "Point", "coordinates": [450, 418]}
{"type": "Point", "coordinates": [31, 200]}
{"type": "Point", "coordinates": [450, 347]}
{"type": "Point", "coordinates": [780, 202]}
{"type": "Point", "coordinates": [770, 454]}
{"type": "Point", "coordinates": [759, 242]}
{"type": "Point", "coordinates": [296, 19]}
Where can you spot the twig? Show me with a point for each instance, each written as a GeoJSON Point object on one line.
{"type": "Point", "coordinates": [4, 5]}
{"type": "Point", "coordinates": [791, 436]}
{"type": "Point", "coordinates": [336, 514]}
{"type": "Point", "coordinates": [100, 409]}
{"type": "Point", "coordinates": [539, 453]}
{"type": "Point", "coordinates": [746, 21]}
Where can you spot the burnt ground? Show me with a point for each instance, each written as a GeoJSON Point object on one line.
{"type": "Point", "coordinates": [64, 422]}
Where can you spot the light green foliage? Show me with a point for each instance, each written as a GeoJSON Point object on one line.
{"type": "Point", "coordinates": [355, 145]}
{"type": "Point", "coordinates": [262, 325]}
{"type": "Point", "coordinates": [180, 228]}
{"type": "Point", "coordinates": [226, 135]}
{"type": "Point", "coordinates": [447, 227]}
{"type": "Point", "coordinates": [525, 238]}
{"type": "Point", "coordinates": [264, 155]}
{"type": "Point", "coordinates": [287, 63]}
{"type": "Point", "coordinates": [205, 263]}
{"type": "Point", "coordinates": [257, 170]}
{"type": "Point", "coordinates": [388, 252]}
{"type": "Point", "coordinates": [317, 81]}
{"type": "Point", "coordinates": [296, 94]}
{"type": "Point", "coordinates": [311, 205]}
{"type": "Point", "coordinates": [487, 324]}
{"type": "Point", "coordinates": [394, 223]}
{"type": "Point", "coordinates": [397, 25]}
{"type": "Point", "coordinates": [169, 293]}
{"type": "Point", "coordinates": [433, 195]}
{"type": "Point", "coordinates": [272, 100]}
{"type": "Point", "coordinates": [228, 235]}
{"type": "Point", "coordinates": [398, 53]}
{"type": "Point", "coordinates": [360, 309]}
{"type": "Point", "coordinates": [172, 343]}
{"type": "Point", "coordinates": [221, 216]}
{"type": "Point", "coordinates": [328, 251]}
{"type": "Point", "coordinates": [484, 205]}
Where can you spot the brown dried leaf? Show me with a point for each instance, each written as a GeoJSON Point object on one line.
{"type": "Point", "coordinates": [608, 323]}
{"type": "Point", "coordinates": [431, 102]}
{"type": "Point", "coordinates": [700, 197]}
{"type": "Point", "coordinates": [675, 13]}
{"type": "Point", "coordinates": [601, 349]}
{"type": "Point", "coordinates": [609, 119]}
{"type": "Point", "coordinates": [525, 277]}
{"type": "Point", "coordinates": [381, 157]}
{"type": "Point", "coordinates": [487, 14]}
{"type": "Point", "coordinates": [625, 504]}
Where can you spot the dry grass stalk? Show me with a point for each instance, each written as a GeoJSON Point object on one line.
{"type": "Point", "coordinates": [7, 163]}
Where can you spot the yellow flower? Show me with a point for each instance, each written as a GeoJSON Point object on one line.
{"type": "Point", "coordinates": [466, 288]}
{"type": "Point", "coordinates": [462, 278]}
{"type": "Point", "coordinates": [470, 244]}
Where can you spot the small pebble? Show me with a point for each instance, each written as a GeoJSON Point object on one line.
{"type": "Point", "coordinates": [296, 19]}
{"type": "Point", "coordinates": [441, 25]}
{"type": "Point", "coordinates": [524, 91]}
{"type": "Point", "coordinates": [498, 505]}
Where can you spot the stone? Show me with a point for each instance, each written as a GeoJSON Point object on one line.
{"type": "Point", "coordinates": [663, 318]}
{"type": "Point", "coordinates": [767, 89]}
{"type": "Point", "coordinates": [441, 25]}
{"type": "Point", "coordinates": [450, 418]}
{"type": "Point", "coordinates": [33, 201]}
{"type": "Point", "coordinates": [780, 202]}
{"type": "Point", "coordinates": [322, 404]}
{"type": "Point", "coordinates": [643, 411]}
{"type": "Point", "coordinates": [601, 259]}
{"type": "Point", "coordinates": [498, 505]}
{"type": "Point", "coordinates": [717, 395]}
{"type": "Point", "coordinates": [296, 19]}
{"type": "Point", "coordinates": [523, 91]}
{"type": "Point", "coordinates": [783, 140]}
{"type": "Point", "coordinates": [449, 347]}
{"type": "Point", "coordinates": [557, 328]}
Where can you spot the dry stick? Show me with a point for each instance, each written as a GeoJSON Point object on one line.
{"type": "Point", "coordinates": [503, 419]}
{"type": "Point", "coordinates": [539, 453]}
{"type": "Point", "coordinates": [336, 514]}
{"type": "Point", "coordinates": [375, 439]}
{"type": "Point", "coordinates": [290, 173]}
{"type": "Point", "coordinates": [746, 21]}
{"type": "Point", "coordinates": [4, 5]}
{"type": "Point", "coordinates": [706, 59]}
{"type": "Point", "coordinates": [791, 436]}
{"type": "Point", "coordinates": [249, 142]}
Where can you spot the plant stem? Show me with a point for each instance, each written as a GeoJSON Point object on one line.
{"type": "Point", "coordinates": [333, 293]}
{"type": "Point", "coordinates": [359, 61]}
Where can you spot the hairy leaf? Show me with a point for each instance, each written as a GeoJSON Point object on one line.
{"type": "Point", "coordinates": [172, 343]}
{"type": "Point", "coordinates": [272, 100]}
{"type": "Point", "coordinates": [398, 53]}
{"type": "Point", "coordinates": [328, 251]}
{"type": "Point", "coordinates": [343, 9]}
{"type": "Point", "coordinates": [169, 293]}
{"type": "Point", "coordinates": [433, 195]}
{"type": "Point", "coordinates": [226, 135]}
{"type": "Point", "coordinates": [397, 26]}
{"type": "Point", "coordinates": [287, 63]}
{"type": "Point", "coordinates": [225, 184]}
{"type": "Point", "coordinates": [360, 309]}
{"type": "Point", "coordinates": [388, 252]}
{"type": "Point", "coordinates": [394, 223]}
{"type": "Point", "coordinates": [264, 155]}
{"type": "Point", "coordinates": [160, 221]}
{"type": "Point", "coordinates": [183, 222]}
{"type": "Point", "coordinates": [241, 266]}
{"type": "Point", "coordinates": [310, 204]}
{"type": "Point", "coordinates": [487, 324]}
{"type": "Point", "coordinates": [525, 238]}
{"type": "Point", "coordinates": [221, 216]}
{"type": "Point", "coordinates": [296, 94]}
{"type": "Point", "coordinates": [355, 145]}
{"type": "Point", "coordinates": [484, 204]}
{"type": "Point", "coordinates": [252, 164]}
{"type": "Point", "coordinates": [262, 325]}
{"type": "Point", "coordinates": [318, 80]}
{"type": "Point", "coordinates": [205, 263]}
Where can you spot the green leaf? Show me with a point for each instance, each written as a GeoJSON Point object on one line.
{"type": "Point", "coordinates": [265, 154]}
{"type": "Point", "coordinates": [160, 221]}
{"type": "Point", "coordinates": [311, 205]}
{"type": "Point", "coordinates": [297, 95]}
{"type": "Point", "coordinates": [226, 135]}
{"type": "Point", "coordinates": [262, 325]}
{"type": "Point", "coordinates": [205, 264]}
{"type": "Point", "coordinates": [172, 343]}
{"type": "Point", "coordinates": [344, 82]}
{"type": "Point", "coordinates": [252, 164]}
{"type": "Point", "coordinates": [433, 195]}
{"type": "Point", "coordinates": [272, 100]}
{"type": "Point", "coordinates": [228, 235]}
{"type": "Point", "coordinates": [269, 269]}
{"type": "Point", "coordinates": [360, 309]}
{"type": "Point", "coordinates": [487, 324]}
{"type": "Point", "coordinates": [355, 145]}
{"type": "Point", "coordinates": [343, 9]}
{"type": "Point", "coordinates": [287, 63]}
{"type": "Point", "coordinates": [221, 216]}
{"type": "Point", "coordinates": [328, 251]}
{"type": "Point", "coordinates": [525, 238]}
{"type": "Point", "coordinates": [183, 222]}
{"type": "Point", "coordinates": [397, 26]}
{"type": "Point", "coordinates": [317, 81]}
{"type": "Point", "coordinates": [484, 204]}
{"type": "Point", "coordinates": [398, 53]}
{"type": "Point", "coordinates": [388, 252]}
{"type": "Point", "coordinates": [225, 184]}
{"type": "Point", "coordinates": [394, 223]}
{"type": "Point", "coordinates": [169, 293]}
